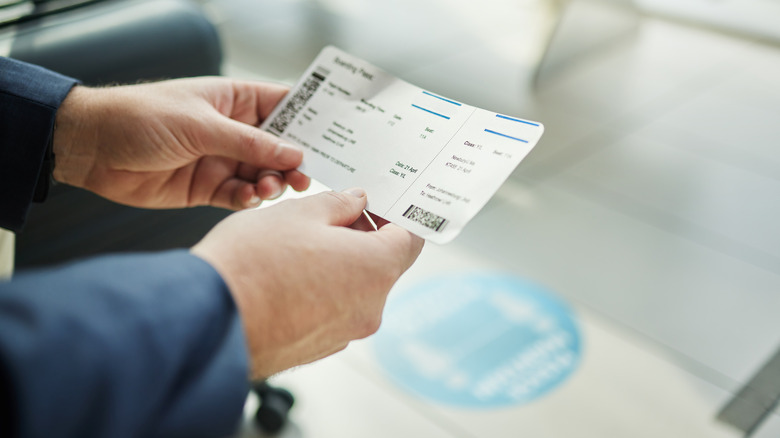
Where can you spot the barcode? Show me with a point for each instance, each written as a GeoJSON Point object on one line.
{"type": "Point", "coordinates": [294, 105]}
{"type": "Point", "coordinates": [425, 218]}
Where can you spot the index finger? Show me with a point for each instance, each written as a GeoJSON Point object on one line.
{"type": "Point", "coordinates": [254, 101]}
{"type": "Point", "coordinates": [407, 245]}
{"type": "Point", "coordinates": [379, 221]}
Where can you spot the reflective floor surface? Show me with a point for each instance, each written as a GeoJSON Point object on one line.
{"type": "Point", "coordinates": [650, 208]}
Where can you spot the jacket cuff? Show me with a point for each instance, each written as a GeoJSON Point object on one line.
{"type": "Point", "coordinates": [29, 99]}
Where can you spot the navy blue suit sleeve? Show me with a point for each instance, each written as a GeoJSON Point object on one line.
{"type": "Point", "coordinates": [122, 346]}
{"type": "Point", "coordinates": [29, 99]}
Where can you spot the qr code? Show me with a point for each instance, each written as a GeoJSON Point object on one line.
{"type": "Point", "coordinates": [425, 218]}
{"type": "Point", "coordinates": [299, 99]}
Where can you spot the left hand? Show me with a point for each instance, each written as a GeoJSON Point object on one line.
{"type": "Point", "coordinates": [176, 143]}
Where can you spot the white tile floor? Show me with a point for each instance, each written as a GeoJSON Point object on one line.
{"type": "Point", "coordinates": [650, 206]}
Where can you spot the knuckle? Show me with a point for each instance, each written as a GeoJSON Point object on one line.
{"type": "Point", "coordinates": [248, 141]}
{"type": "Point", "coordinates": [255, 144]}
{"type": "Point", "coordinates": [391, 273]}
{"type": "Point", "coordinates": [340, 199]}
{"type": "Point", "coordinates": [341, 347]}
{"type": "Point", "coordinates": [406, 252]}
{"type": "Point", "coordinates": [369, 326]}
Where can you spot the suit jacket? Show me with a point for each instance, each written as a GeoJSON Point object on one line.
{"type": "Point", "coordinates": [117, 346]}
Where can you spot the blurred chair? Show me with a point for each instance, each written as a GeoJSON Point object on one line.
{"type": "Point", "coordinates": [102, 42]}
{"type": "Point", "coordinates": [108, 41]}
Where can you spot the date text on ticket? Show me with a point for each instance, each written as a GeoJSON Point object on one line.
{"type": "Point", "coordinates": [428, 163]}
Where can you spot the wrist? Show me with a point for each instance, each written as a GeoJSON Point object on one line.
{"type": "Point", "coordinates": [251, 309]}
{"type": "Point", "coordinates": [74, 141]}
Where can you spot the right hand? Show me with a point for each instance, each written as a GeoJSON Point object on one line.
{"type": "Point", "coordinates": [308, 275]}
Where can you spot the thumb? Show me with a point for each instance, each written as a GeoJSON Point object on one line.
{"type": "Point", "coordinates": [336, 208]}
{"type": "Point", "coordinates": [250, 145]}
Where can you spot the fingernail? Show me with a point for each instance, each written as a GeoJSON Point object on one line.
{"type": "Point", "coordinates": [264, 173]}
{"type": "Point", "coordinates": [276, 193]}
{"type": "Point", "coordinates": [276, 183]}
{"type": "Point", "coordinates": [254, 200]}
{"type": "Point", "coordinates": [288, 154]}
{"type": "Point", "coordinates": [356, 192]}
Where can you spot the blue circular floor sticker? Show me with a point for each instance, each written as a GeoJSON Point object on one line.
{"type": "Point", "coordinates": [478, 340]}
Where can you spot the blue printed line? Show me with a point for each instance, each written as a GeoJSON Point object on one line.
{"type": "Point", "coordinates": [516, 120]}
{"type": "Point", "coordinates": [429, 111]}
{"type": "Point", "coordinates": [507, 136]}
{"type": "Point", "coordinates": [439, 97]}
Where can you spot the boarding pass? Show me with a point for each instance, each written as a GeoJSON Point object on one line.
{"type": "Point", "coordinates": [428, 163]}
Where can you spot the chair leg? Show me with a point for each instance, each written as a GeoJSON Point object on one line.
{"type": "Point", "coordinates": [275, 405]}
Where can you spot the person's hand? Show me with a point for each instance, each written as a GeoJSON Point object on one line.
{"type": "Point", "coordinates": [175, 144]}
{"type": "Point", "coordinates": [308, 275]}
